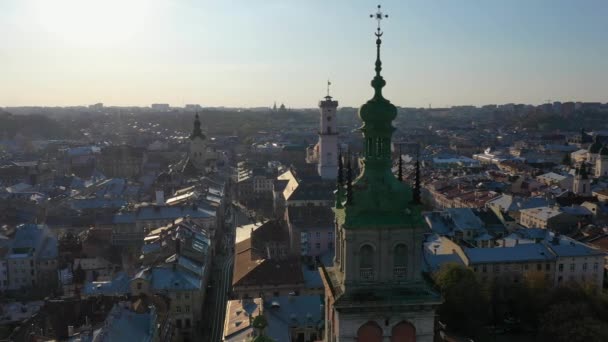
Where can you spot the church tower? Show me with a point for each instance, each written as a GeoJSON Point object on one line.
{"type": "Point", "coordinates": [198, 148]}
{"type": "Point", "coordinates": [601, 162]}
{"type": "Point", "coordinates": [594, 150]}
{"type": "Point", "coordinates": [582, 183]}
{"type": "Point", "coordinates": [328, 138]}
{"type": "Point", "coordinates": [375, 290]}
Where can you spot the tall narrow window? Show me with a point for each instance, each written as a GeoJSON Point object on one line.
{"type": "Point", "coordinates": [400, 261]}
{"type": "Point", "coordinates": [366, 262]}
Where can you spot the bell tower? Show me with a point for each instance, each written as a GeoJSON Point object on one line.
{"type": "Point", "coordinates": [375, 290]}
{"type": "Point", "coordinates": [198, 148]}
{"type": "Point", "coordinates": [328, 138]}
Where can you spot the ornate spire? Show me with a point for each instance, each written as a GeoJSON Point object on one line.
{"type": "Point", "coordinates": [400, 171]}
{"type": "Point", "coordinates": [340, 169]}
{"type": "Point", "coordinates": [196, 132]}
{"type": "Point", "coordinates": [340, 183]}
{"type": "Point", "coordinates": [416, 197]}
{"type": "Point", "coordinates": [378, 82]}
{"type": "Point", "coordinates": [349, 181]}
{"type": "Point", "coordinates": [377, 198]}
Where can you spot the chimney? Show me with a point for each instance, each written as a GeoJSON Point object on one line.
{"type": "Point", "coordinates": [160, 197]}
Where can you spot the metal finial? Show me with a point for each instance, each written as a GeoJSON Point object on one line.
{"type": "Point", "coordinates": [328, 84]}
{"type": "Point", "coordinates": [379, 16]}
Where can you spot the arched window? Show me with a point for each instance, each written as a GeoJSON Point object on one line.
{"type": "Point", "coordinates": [369, 332]}
{"type": "Point", "coordinates": [400, 261]}
{"type": "Point", "coordinates": [403, 332]}
{"type": "Point", "coordinates": [366, 262]}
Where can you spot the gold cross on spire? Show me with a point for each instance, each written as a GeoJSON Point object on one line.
{"type": "Point", "coordinates": [379, 16]}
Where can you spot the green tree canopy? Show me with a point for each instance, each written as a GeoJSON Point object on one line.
{"type": "Point", "coordinates": [466, 306]}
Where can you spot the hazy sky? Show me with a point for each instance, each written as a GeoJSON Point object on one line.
{"type": "Point", "coordinates": [253, 52]}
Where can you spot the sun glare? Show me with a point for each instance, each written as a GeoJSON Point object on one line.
{"type": "Point", "coordinates": [94, 22]}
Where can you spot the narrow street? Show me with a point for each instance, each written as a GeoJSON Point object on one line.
{"type": "Point", "coordinates": [222, 289]}
{"type": "Point", "coordinates": [214, 309]}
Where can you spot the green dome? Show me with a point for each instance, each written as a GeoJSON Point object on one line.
{"type": "Point", "coordinates": [378, 109]}
{"type": "Point", "coordinates": [604, 151]}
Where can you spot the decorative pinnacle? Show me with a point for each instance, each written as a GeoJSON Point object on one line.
{"type": "Point", "coordinates": [328, 84]}
{"type": "Point", "coordinates": [379, 16]}
{"type": "Point", "coordinates": [416, 196]}
{"type": "Point", "coordinates": [400, 171]}
{"type": "Point", "coordinates": [349, 181]}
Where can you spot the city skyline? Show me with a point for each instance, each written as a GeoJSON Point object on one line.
{"type": "Point", "coordinates": [246, 54]}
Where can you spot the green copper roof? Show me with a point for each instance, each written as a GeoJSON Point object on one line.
{"type": "Point", "coordinates": [378, 198]}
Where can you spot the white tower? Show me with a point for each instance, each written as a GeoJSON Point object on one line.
{"type": "Point", "coordinates": [601, 163]}
{"type": "Point", "coordinates": [328, 138]}
{"type": "Point", "coordinates": [198, 148]}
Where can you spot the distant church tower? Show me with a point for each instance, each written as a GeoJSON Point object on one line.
{"type": "Point", "coordinates": [328, 138]}
{"type": "Point", "coordinates": [601, 163]}
{"type": "Point", "coordinates": [582, 183]}
{"type": "Point", "coordinates": [375, 291]}
{"type": "Point", "coordinates": [594, 150]}
{"type": "Point", "coordinates": [198, 147]}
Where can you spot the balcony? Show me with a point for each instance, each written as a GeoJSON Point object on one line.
{"type": "Point", "coordinates": [399, 273]}
{"type": "Point", "coordinates": [366, 274]}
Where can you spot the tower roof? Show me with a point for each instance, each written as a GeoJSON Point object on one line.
{"type": "Point", "coordinates": [377, 198]}
{"type": "Point", "coordinates": [196, 132]}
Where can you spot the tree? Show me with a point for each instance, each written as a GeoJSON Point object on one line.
{"type": "Point", "coordinates": [465, 306]}
{"type": "Point", "coordinates": [567, 160]}
{"type": "Point", "coordinates": [574, 313]}
{"type": "Point", "coordinates": [572, 322]}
